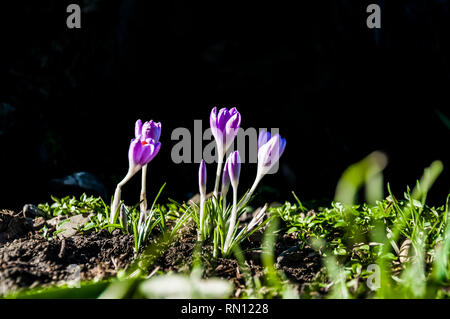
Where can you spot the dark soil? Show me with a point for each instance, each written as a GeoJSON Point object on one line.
{"type": "Point", "coordinates": [299, 265]}
{"type": "Point", "coordinates": [29, 260]}
{"type": "Point", "coordinates": [13, 226]}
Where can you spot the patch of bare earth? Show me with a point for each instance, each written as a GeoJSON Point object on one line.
{"type": "Point", "coordinates": [29, 260]}
{"type": "Point", "coordinates": [299, 265]}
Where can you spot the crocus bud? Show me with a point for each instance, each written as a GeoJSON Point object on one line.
{"type": "Point", "coordinates": [269, 152]}
{"type": "Point", "coordinates": [202, 178]}
{"type": "Point", "coordinates": [225, 179]}
{"type": "Point", "coordinates": [224, 127]}
{"type": "Point", "coordinates": [234, 168]}
{"type": "Point", "coordinates": [142, 151]}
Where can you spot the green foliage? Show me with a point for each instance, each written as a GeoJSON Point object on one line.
{"type": "Point", "coordinates": [354, 238]}
{"type": "Point", "coordinates": [217, 221]}
{"type": "Point", "coordinates": [139, 224]}
{"type": "Point", "coordinates": [141, 227]}
{"type": "Point", "coordinates": [69, 206]}
{"type": "Point", "coordinates": [273, 283]}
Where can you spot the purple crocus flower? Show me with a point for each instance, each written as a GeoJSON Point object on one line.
{"type": "Point", "coordinates": [234, 168]}
{"type": "Point", "coordinates": [202, 178]}
{"type": "Point", "coordinates": [142, 151]}
{"type": "Point", "coordinates": [143, 148]}
{"type": "Point", "coordinates": [149, 134]}
{"type": "Point", "coordinates": [269, 151]}
{"type": "Point", "coordinates": [224, 127]}
{"type": "Point", "coordinates": [270, 148]}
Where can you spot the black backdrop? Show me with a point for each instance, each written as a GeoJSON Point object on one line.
{"type": "Point", "coordinates": [336, 89]}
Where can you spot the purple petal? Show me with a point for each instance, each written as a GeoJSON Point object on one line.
{"type": "Point", "coordinates": [147, 151]}
{"type": "Point", "coordinates": [151, 130]}
{"type": "Point", "coordinates": [231, 129]}
{"type": "Point", "coordinates": [234, 121]}
{"type": "Point", "coordinates": [152, 148]}
{"type": "Point", "coordinates": [263, 138]}
{"type": "Point", "coordinates": [155, 150]}
{"type": "Point", "coordinates": [224, 126]}
{"type": "Point", "coordinates": [222, 119]}
{"type": "Point", "coordinates": [265, 154]}
{"type": "Point", "coordinates": [135, 151]}
{"type": "Point", "coordinates": [282, 146]}
{"type": "Point", "coordinates": [213, 121]}
{"type": "Point", "coordinates": [275, 150]}
{"type": "Point", "coordinates": [138, 128]}
{"type": "Point", "coordinates": [158, 130]}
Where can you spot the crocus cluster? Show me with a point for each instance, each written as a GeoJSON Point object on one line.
{"type": "Point", "coordinates": [143, 148]}
{"type": "Point", "coordinates": [224, 126]}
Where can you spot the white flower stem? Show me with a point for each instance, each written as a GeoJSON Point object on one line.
{"type": "Point", "coordinates": [117, 194]}
{"type": "Point", "coordinates": [143, 197]}
{"type": "Point", "coordinates": [252, 190]}
{"type": "Point", "coordinates": [232, 221]}
{"type": "Point", "coordinates": [224, 204]}
{"type": "Point", "coordinates": [201, 217]}
{"type": "Point", "coordinates": [218, 175]}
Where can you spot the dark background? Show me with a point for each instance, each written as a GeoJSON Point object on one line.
{"type": "Point", "coordinates": [336, 89]}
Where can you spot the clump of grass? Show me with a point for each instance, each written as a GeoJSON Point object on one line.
{"type": "Point", "coordinates": [394, 248]}
{"type": "Point", "coordinates": [131, 220]}
{"type": "Point", "coordinates": [70, 205]}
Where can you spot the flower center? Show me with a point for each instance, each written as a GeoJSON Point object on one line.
{"type": "Point", "coordinates": [144, 143]}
